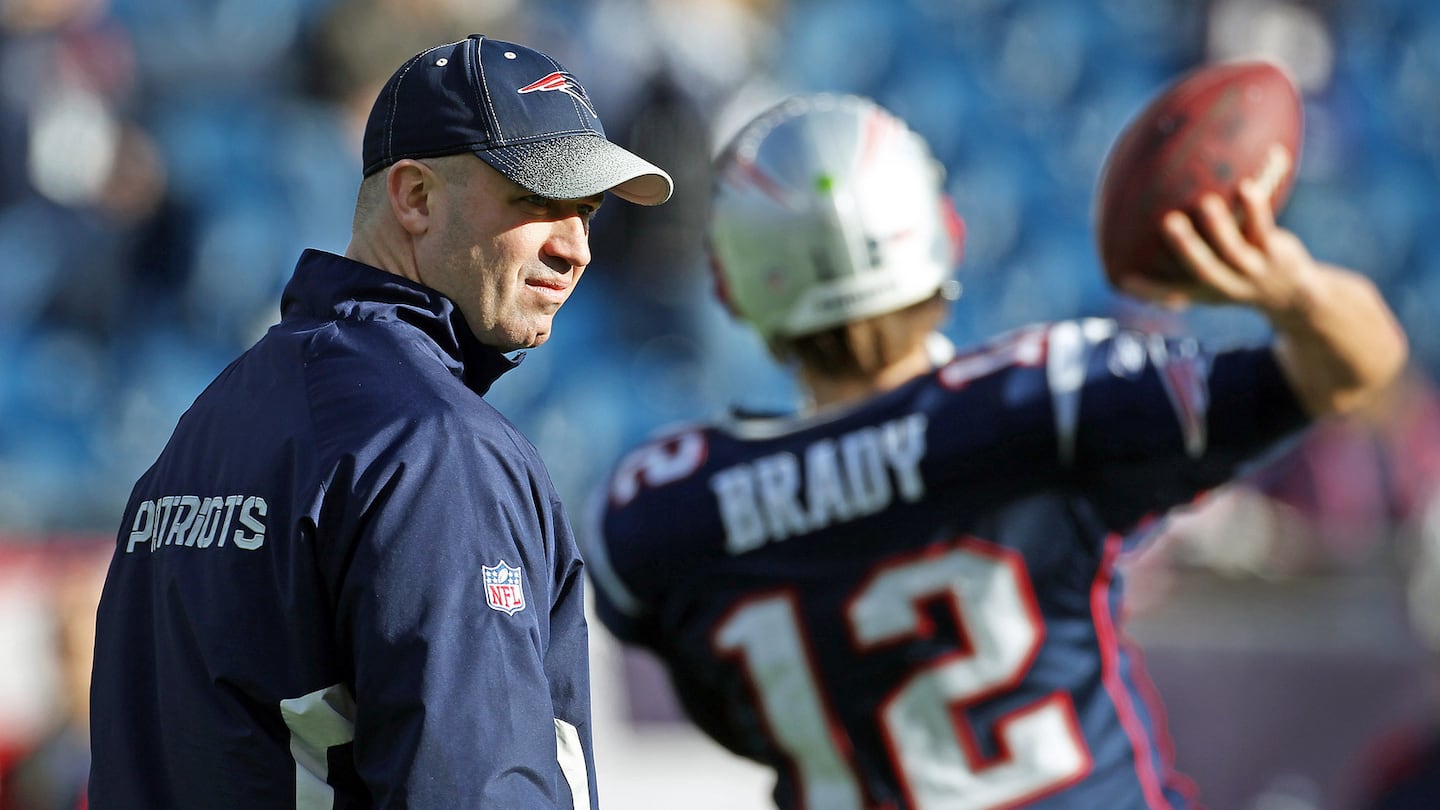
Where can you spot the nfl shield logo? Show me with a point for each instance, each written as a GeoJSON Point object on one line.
{"type": "Point", "coordinates": [503, 589]}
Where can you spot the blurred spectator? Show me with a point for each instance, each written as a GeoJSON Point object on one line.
{"type": "Point", "coordinates": [356, 43]}
{"type": "Point", "coordinates": [88, 245]}
{"type": "Point", "coordinates": [52, 773]}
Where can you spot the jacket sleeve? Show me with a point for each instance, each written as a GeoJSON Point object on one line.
{"type": "Point", "coordinates": [459, 595]}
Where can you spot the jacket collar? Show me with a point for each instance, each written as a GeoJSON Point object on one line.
{"type": "Point", "coordinates": [328, 287]}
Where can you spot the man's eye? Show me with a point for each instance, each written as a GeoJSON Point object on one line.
{"type": "Point", "coordinates": [551, 207]}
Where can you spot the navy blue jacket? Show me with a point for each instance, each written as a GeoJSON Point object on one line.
{"type": "Point", "coordinates": [346, 582]}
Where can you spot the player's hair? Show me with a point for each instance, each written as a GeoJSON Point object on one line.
{"type": "Point", "coordinates": [865, 346]}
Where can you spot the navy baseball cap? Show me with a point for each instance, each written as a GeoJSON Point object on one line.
{"type": "Point", "coordinates": [518, 110]}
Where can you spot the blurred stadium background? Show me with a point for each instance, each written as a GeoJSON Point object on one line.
{"type": "Point", "coordinates": [163, 162]}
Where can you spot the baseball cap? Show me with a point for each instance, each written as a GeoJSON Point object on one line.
{"type": "Point", "coordinates": [518, 110]}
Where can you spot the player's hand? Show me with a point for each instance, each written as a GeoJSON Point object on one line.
{"type": "Point", "coordinates": [1234, 257]}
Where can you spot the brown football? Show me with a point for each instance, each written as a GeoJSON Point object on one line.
{"type": "Point", "coordinates": [1205, 132]}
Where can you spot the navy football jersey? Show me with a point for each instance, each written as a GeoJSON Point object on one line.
{"type": "Point", "coordinates": [912, 602]}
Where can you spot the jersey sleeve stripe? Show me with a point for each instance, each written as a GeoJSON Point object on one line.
{"type": "Point", "coordinates": [318, 721]}
{"type": "Point", "coordinates": [570, 753]}
{"type": "Point", "coordinates": [1114, 683]}
{"type": "Point", "coordinates": [1155, 707]}
{"type": "Point", "coordinates": [1066, 353]}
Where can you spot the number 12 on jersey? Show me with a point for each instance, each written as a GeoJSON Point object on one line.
{"type": "Point", "coordinates": [1039, 746]}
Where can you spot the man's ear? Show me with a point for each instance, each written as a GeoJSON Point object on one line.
{"type": "Point", "coordinates": [409, 185]}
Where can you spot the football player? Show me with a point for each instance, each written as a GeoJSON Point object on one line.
{"type": "Point", "coordinates": [904, 595]}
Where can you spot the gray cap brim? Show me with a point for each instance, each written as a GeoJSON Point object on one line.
{"type": "Point", "coordinates": [577, 166]}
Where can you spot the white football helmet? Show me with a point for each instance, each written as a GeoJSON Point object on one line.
{"type": "Point", "coordinates": [828, 209]}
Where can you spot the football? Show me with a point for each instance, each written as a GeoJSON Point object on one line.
{"type": "Point", "coordinates": [1204, 132]}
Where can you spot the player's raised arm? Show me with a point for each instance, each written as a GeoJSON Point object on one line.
{"type": "Point", "coordinates": [1186, 213]}
{"type": "Point", "coordinates": [1339, 343]}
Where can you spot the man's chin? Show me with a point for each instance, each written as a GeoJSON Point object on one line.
{"type": "Point", "coordinates": [514, 340]}
{"type": "Point", "coordinates": [535, 338]}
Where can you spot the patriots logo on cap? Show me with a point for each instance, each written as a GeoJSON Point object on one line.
{"type": "Point", "coordinates": [504, 587]}
{"type": "Point", "coordinates": [565, 83]}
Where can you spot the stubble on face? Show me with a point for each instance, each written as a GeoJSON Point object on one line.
{"type": "Point", "coordinates": [510, 315]}
{"type": "Point", "coordinates": [486, 250]}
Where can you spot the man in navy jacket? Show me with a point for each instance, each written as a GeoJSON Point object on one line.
{"type": "Point", "coordinates": [348, 582]}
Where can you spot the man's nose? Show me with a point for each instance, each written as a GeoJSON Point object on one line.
{"type": "Point", "coordinates": [570, 241]}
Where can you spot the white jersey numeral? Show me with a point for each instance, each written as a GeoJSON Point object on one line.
{"type": "Point", "coordinates": [657, 464]}
{"type": "Point", "coordinates": [766, 634]}
{"type": "Point", "coordinates": [1040, 748]}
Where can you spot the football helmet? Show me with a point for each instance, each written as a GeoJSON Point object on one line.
{"type": "Point", "coordinates": [828, 209]}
